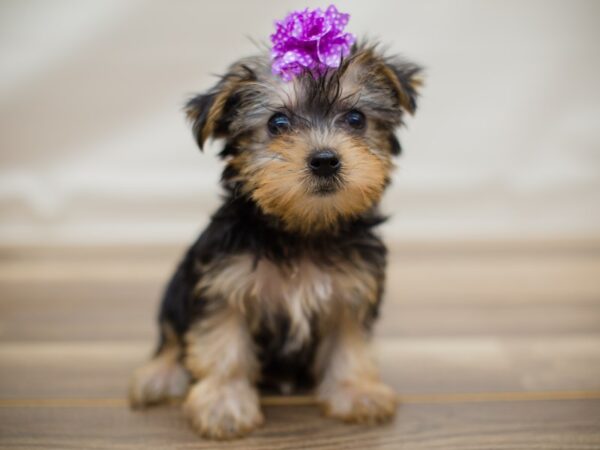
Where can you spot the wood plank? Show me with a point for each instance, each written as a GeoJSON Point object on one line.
{"type": "Point", "coordinates": [309, 399]}
{"type": "Point", "coordinates": [524, 425]}
{"type": "Point", "coordinates": [103, 300]}
{"type": "Point", "coordinates": [494, 279]}
{"type": "Point", "coordinates": [100, 310]}
{"type": "Point", "coordinates": [413, 277]}
{"type": "Point", "coordinates": [488, 348]}
{"type": "Point", "coordinates": [581, 245]}
{"type": "Point", "coordinates": [412, 366]}
{"type": "Point", "coordinates": [127, 310]}
{"type": "Point", "coordinates": [409, 319]}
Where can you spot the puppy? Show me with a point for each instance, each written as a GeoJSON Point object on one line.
{"type": "Point", "coordinates": [283, 286]}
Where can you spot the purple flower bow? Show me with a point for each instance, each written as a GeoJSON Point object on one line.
{"type": "Point", "coordinates": [310, 39]}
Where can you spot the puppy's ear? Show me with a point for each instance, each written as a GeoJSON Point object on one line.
{"type": "Point", "coordinates": [405, 79]}
{"type": "Point", "coordinates": [197, 110]}
{"type": "Point", "coordinates": [211, 113]}
{"type": "Point", "coordinates": [395, 79]}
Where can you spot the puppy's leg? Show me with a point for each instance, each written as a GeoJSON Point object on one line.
{"type": "Point", "coordinates": [224, 403]}
{"type": "Point", "coordinates": [163, 377]}
{"type": "Point", "coordinates": [350, 388]}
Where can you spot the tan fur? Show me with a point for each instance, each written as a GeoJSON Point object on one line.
{"type": "Point", "coordinates": [162, 378]}
{"type": "Point", "coordinates": [220, 353]}
{"type": "Point", "coordinates": [367, 66]}
{"type": "Point", "coordinates": [223, 408]}
{"type": "Point", "coordinates": [261, 290]}
{"type": "Point", "coordinates": [274, 170]}
{"type": "Point", "coordinates": [221, 346]}
{"type": "Point", "coordinates": [278, 180]}
{"type": "Point", "coordinates": [350, 388]}
{"type": "Point", "coordinates": [269, 163]}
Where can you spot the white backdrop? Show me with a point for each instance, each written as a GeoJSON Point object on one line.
{"type": "Point", "coordinates": [95, 149]}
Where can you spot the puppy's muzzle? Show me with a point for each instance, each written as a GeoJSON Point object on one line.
{"type": "Point", "coordinates": [324, 163]}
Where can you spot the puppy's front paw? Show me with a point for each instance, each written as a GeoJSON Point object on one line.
{"type": "Point", "coordinates": [160, 379]}
{"type": "Point", "coordinates": [361, 401]}
{"type": "Point", "coordinates": [223, 409]}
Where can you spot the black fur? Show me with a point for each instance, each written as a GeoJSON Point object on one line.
{"type": "Point", "coordinates": [406, 72]}
{"type": "Point", "coordinates": [201, 106]}
{"type": "Point", "coordinates": [395, 146]}
{"type": "Point", "coordinates": [240, 227]}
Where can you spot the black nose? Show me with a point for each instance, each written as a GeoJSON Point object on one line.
{"type": "Point", "coordinates": [324, 163]}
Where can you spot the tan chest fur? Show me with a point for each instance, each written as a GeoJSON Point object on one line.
{"type": "Point", "coordinates": [301, 290]}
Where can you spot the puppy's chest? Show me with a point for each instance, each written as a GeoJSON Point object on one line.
{"type": "Point", "coordinates": [300, 284]}
{"type": "Point", "coordinates": [292, 298]}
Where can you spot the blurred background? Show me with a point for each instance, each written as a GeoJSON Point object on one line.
{"type": "Point", "coordinates": [490, 328]}
{"type": "Point", "coordinates": [95, 148]}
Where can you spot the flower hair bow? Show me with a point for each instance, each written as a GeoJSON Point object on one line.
{"type": "Point", "coordinates": [310, 40]}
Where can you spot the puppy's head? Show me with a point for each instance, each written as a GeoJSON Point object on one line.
{"type": "Point", "coordinates": [313, 152]}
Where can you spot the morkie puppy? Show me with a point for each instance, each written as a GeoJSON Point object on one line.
{"type": "Point", "coordinates": [283, 286]}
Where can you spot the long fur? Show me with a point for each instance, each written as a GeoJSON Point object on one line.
{"type": "Point", "coordinates": [283, 286]}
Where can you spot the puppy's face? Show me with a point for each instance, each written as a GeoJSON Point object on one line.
{"type": "Point", "coordinates": [313, 152]}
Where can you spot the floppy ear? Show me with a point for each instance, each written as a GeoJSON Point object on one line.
{"type": "Point", "coordinates": [197, 110]}
{"type": "Point", "coordinates": [386, 74]}
{"type": "Point", "coordinates": [211, 113]}
{"type": "Point", "coordinates": [405, 79]}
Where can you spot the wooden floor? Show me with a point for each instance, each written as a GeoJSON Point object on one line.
{"type": "Point", "coordinates": [490, 346]}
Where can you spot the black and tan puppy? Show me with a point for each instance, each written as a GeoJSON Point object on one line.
{"type": "Point", "coordinates": [283, 286]}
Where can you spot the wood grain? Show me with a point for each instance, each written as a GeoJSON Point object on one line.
{"type": "Point", "coordinates": [417, 365]}
{"type": "Point", "coordinates": [488, 346]}
{"type": "Point", "coordinates": [427, 295]}
{"type": "Point", "coordinates": [526, 425]}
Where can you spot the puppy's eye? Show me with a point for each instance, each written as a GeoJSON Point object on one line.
{"type": "Point", "coordinates": [355, 119]}
{"type": "Point", "coordinates": [278, 123]}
